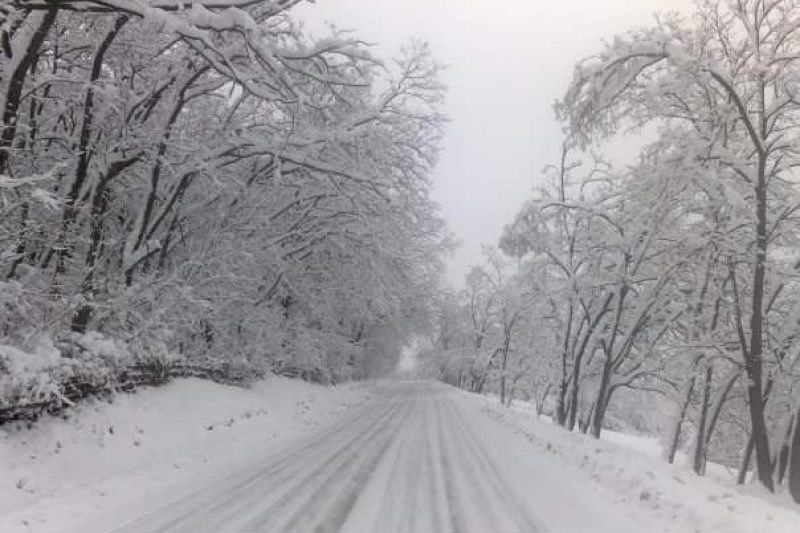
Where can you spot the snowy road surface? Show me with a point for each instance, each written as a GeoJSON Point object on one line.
{"type": "Point", "coordinates": [418, 457]}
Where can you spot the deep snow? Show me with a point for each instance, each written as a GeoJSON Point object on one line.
{"type": "Point", "coordinates": [416, 457]}
{"type": "Point", "coordinates": [419, 457]}
{"type": "Point", "coordinates": [103, 456]}
{"type": "Point", "coordinates": [630, 469]}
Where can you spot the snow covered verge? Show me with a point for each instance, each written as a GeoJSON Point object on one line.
{"type": "Point", "coordinates": [60, 472]}
{"type": "Point", "coordinates": [665, 498]}
{"type": "Point", "coordinates": [54, 374]}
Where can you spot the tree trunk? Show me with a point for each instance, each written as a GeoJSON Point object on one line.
{"type": "Point", "coordinates": [586, 421]}
{"type": "Point", "coordinates": [794, 461]}
{"type": "Point", "coordinates": [84, 153]}
{"type": "Point", "coordinates": [503, 365]}
{"type": "Point", "coordinates": [717, 410]}
{"type": "Point", "coordinates": [744, 467]}
{"type": "Point", "coordinates": [542, 400]}
{"type": "Point", "coordinates": [699, 458]}
{"type": "Point", "coordinates": [676, 435]}
{"type": "Point", "coordinates": [601, 402]}
{"type": "Point", "coordinates": [16, 82]}
{"type": "Point", "coordinates": [99, 208]}
{"type": "Point", "coordinates": [754, 357]}
{"type": "Point", "coordinates": [560, 414]}
{"type": "Point", "coordinates": [782, 459]}
{"type": "Point", "coordinates": [574, 391]}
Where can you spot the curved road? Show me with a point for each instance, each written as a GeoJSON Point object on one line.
{"type": "Point", "coordinates": [418, 457]}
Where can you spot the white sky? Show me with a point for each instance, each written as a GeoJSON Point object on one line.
{"type": "Point", "coordinates": [508, 62]}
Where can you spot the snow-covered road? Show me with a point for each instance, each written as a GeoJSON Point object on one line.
{"type": "Point", "coordinates": [418, 457]}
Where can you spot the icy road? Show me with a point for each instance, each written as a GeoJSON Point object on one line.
{"type": "Point", "coordinates": [418, 457]}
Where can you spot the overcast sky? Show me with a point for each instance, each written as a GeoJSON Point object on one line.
{"type": "Point", "coordinates": [507, 64]}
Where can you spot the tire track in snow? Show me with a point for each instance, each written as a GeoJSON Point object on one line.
{"type": "Point", "coordinates": [343, 484]}
{"type": "Point", "coordinates": [484, 508]}
{"type": "Point", "coordinates": [414, 459]}
{"type": "Point", "coordinates": [437, 499]}
{"type": "Point", "coordinates": [454, 508]}
{"type": "Point", "coordinates": [313, 470]}
{"type": "Point", "coordinates": [389, 510]}
{"type": "Point", "coordinates": [525, 522]}
{"type": "Point", "coordinates": [212, 505]}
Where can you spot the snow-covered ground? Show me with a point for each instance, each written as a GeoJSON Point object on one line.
{"type": "Point", "coordinates": [405, 457]}
{"type": "Point", "coordinates": [99, 455]}
{"type": "Point", "coordinates": [667, 498]}
{"type": "Point", "coordinates": [417, 457]}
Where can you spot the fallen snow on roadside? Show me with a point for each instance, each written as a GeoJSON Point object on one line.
{"type": "Point", "coordinates": [666, 498]}
{"type": "Point", "coordinates": [101, 455]}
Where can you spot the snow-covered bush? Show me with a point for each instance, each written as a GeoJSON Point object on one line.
{"type": "Point", "coordinates": [53, 374]}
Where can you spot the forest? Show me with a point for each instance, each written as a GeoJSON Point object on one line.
{"type": "Point", "coordinates": [660, 296]}
{"type": "Point", "coordinates": [205, 188]}
{"type": "Point", "coordinates": [202, 188]}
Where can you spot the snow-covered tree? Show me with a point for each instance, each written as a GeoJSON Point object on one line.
{"type": "Point", "coordinates": [722, 88]}
{"type": "Point", "coordinates": [205, 180]}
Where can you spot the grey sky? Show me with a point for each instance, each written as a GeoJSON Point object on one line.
{"type": "Point", "coordinates": [507, 64]}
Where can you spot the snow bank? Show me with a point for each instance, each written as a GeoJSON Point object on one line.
{"type": "Point", "coordinates": [667, 498]}
{"type": "Point", "coordinates": [36, 378]}
{"type": "Point", "coordinates": [28, 375]}
{"type": "Point", "coordinates": [63, 471]}
{"type": "Point", "coordinates": [51, 374]}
